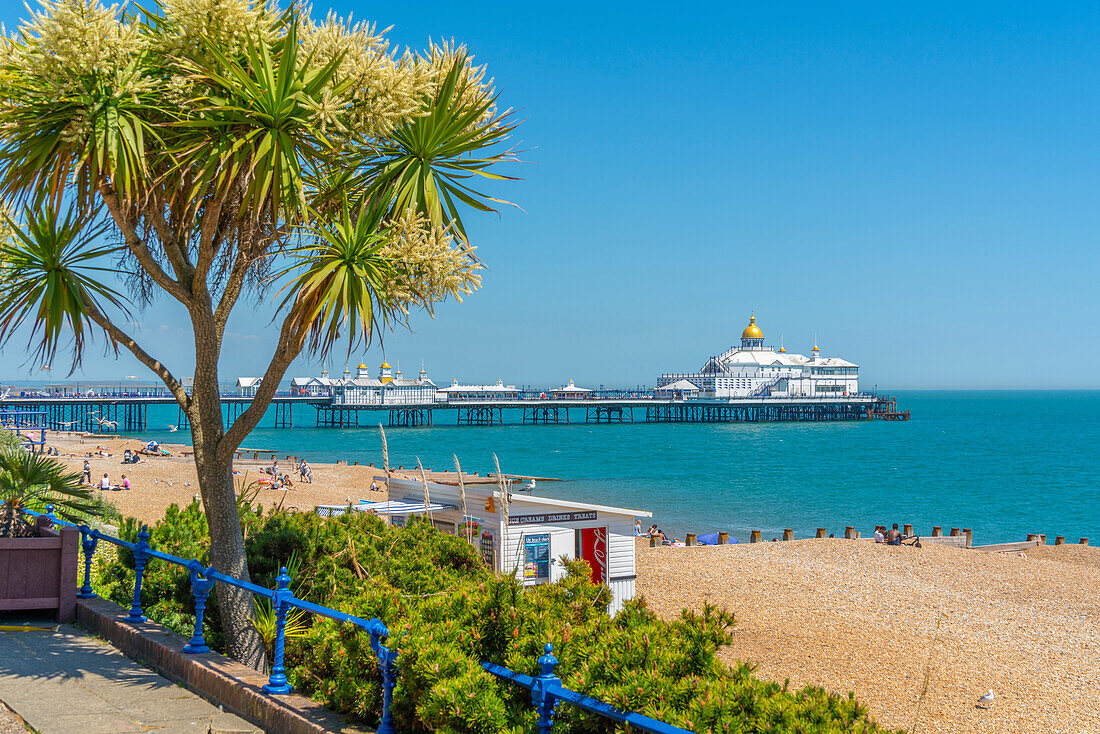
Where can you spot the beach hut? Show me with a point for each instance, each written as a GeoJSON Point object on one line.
{"type": "Point", "coordinates": [247, 386]}
{"type": "Point", "coordinates": [530, 543]}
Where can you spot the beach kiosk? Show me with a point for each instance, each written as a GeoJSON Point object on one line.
{"type": "Point", "coordinates": [539, 530]}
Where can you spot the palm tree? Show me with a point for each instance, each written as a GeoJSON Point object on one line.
{"type": "Point", "coordinates": [31, 481]}
{"type": "Point", "coordinates": [225, 147]}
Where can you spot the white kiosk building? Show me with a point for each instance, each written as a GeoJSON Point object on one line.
{"type": "Point", "coordinates": [754, 370]}
{"type": "Point", "coordinates": [539, 531]}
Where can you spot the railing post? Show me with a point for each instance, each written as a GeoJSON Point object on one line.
{"type": "Point", "coordinates": [543, 699]}
{"type": "Point", "coordinates": [88, 542]}
{"type": "Point", "coordinates": [140, 549]}
{"type": "Point", "coordinates": [276, 684]}
{"type": "Point", "coordinates": [387, 666]}
{"type": "Point", "coordinates": [200, 589]}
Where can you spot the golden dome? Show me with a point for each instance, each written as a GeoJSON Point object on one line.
{"type": "Point", "coordinates": [752, 331]}
{"type": "Point", "coordinates": [362, 366]}
{"type": "Point", "coordinates": [782, 350]}
{"type": "Point", "coordinates": [385, 365]}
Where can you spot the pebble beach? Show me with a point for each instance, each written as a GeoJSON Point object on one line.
{"type": "Point", "coordinates": [918, 634]}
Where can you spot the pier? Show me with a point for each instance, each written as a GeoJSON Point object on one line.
{"type": "Point", "coordinates": [131, 413]}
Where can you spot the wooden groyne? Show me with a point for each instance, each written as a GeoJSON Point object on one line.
{"type": "Point", "coordinates": [958, 537]}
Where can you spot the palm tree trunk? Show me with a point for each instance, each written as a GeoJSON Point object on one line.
{"type": "Point", "coordinates": [219, 498]}
{"type": "Point", "coordinates": [7, 524]}
{"type": "Point", "coordinates": [227, 554]}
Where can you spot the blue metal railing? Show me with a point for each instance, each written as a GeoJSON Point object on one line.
{"type": "Point", "coordinates": [546, 689]}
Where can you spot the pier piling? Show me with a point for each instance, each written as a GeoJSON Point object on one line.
{"type": "Point", "coordinates": [1060, 540]}
{"type": "Point", "coordinates": [954, 532]}
{"type": "Point", "coordinates": [1042, 539]}
{"type": "Point", "coordinates": [652, 541]}
{"type": "Point", "coordinates": [723, 538]}
{"type": "Point", "coordinates": [969, 537]}
{"type": "Point", "coordinates": [788, 534]}
{"type": "Point", "coordinates": [849, 531]}
{"type": "Point", "coordinates": [908, 529]}
{"type": "Point", "coordinates": [754, 536]}
{"type": "Point", "coordinates": [820, 532]}
{"type": "Point", "coordinates": [937, 531]}
{"type": "Point", "coordinates": [689, 539]}
{"type": "Point", "coordinates": [1083, 541]}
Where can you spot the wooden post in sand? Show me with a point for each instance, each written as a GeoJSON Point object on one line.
{"type": "Point", "coordinates": [1032, 536]}
{"type": "Point", "coordinates": [849, 531]}
{"type": "Point", "coordinates": [689, 539]}
{"type": "Point", "coordinates": [788, 534]}
{"type": "Point", "coordinates": [954, 532]}
{"type": "Point", "coordinates": [1042, 538]}
{"type": "Point", "coordinates": [820, 532]}
{"type": "Point", "coordinates": [969, 537]}
{"type": "Point", "coordinates": [1083, 541]}
{"type": "Point", "coordinates": [937, 531]}
{"type": "Point", "coordinates": [754, 536]}
{"type": "Point", "coordinates": [908, 529]}
{"type": "Point", "coordinates": [723, 538]}
{"type": "Point", "coordinates": [653, 541]}
{"type": "Point", "coordinates": [1060, 540]}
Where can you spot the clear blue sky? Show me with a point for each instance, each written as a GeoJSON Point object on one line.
{"type": "Point", "coordinates": [915, 184]}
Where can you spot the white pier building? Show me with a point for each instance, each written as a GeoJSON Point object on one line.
{"type": "Point", "coordinates": [388, 388]}
{"type": "Point", "coordinates": [755, 370]}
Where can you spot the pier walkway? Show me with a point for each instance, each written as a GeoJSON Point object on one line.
{"type": "Point", "coordinates": [131, 413]}
{"type": "Point", "coordinates": [61, 681]}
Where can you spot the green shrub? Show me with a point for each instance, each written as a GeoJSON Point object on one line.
{"type": "Point", "coordinates": [446, 612]}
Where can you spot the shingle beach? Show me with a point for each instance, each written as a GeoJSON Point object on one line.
{"type": "Point", "coordinates": [851, 615]}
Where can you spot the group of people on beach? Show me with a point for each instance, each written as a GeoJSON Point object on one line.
{"type": "Point", "coordinates": [104, 484]}
{"type": "Point", "coordinates": [893, 536]}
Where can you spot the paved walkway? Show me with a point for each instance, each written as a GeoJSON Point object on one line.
{"type": "Point", "coordinates": [61, 681]}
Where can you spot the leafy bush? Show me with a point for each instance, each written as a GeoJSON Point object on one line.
{"type": "Point", "coordinates": [447, 612]}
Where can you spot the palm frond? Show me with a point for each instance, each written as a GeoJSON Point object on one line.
{"type": "Point", "coordinates": [48, 271]}
{"type": "Point", "coordinates": [426, 164]}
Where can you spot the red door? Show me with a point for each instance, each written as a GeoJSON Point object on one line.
{"type": "Point", "coordinates": [594, 550]}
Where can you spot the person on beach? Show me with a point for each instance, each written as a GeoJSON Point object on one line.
{"type": "Point", "coordinates": [638, 529]}
{"type": "Point", "coordinates": [125, 482]}
{"type": "Point", "coordinates": [879, 536]}
{"type": "Point", "coordinates": [305, 472]}
{"type": "Point", "coordinates": [105, 483]}
{"type": "Point", "coordinates": [87, 477]}
{"type": "Point", "coordinates": [373, 486]}
{"type": "Point", "coordinates": [894, 536]}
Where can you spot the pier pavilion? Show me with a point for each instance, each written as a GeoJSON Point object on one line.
{"type": "Point", "coordinates": [755, 370]}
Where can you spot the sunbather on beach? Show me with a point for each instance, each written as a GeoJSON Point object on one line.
{"type": "Point", "coordinates": [879, 536]}
{"type": "Point", "coordinates": [894, 536]}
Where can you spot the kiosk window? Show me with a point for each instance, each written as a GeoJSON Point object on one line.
{"type": "Point", "coordinates": [487, 548]}
{"type": "Point", "coordinates": [536, 551]}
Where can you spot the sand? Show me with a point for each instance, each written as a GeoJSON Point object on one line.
{"type": "Point", "coordinates": [851, 615]}
{"type": "Point", "coordinates": [158, 482]}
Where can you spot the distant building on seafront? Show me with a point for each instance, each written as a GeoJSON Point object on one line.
{"type": "Point", "coordinates": [756, 370]}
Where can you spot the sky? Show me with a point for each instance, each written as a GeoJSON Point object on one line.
{"type": "Point", "coordinates": [914, 184]}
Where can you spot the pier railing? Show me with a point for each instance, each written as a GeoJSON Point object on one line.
{"type": "Point", "coordinates": [546, 689]}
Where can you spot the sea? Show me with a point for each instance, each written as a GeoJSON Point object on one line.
{"type": "Point", "coordinates": [1003, 463]}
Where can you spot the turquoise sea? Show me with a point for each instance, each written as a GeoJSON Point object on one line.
{"type": "Point", "coordinates": [1001, 463]}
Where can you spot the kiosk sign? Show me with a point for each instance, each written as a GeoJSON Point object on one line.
{"type": "Point", "coordinates": [551, 517]}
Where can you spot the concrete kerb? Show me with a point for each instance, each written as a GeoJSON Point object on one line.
{"type": "Point", "coordinates": [214, 677]}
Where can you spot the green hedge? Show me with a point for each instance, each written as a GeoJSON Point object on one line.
{"type": "Point", "coordinates": [446, 612]}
